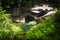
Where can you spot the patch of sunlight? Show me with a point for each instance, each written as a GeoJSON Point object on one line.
{"type": "Point", "coordinates": [16, 29]}
{"type": "Point", "coordinates": [32, 23]}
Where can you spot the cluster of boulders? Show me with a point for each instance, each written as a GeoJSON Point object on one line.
{"type": "Point", "coordinates": [37, 12]}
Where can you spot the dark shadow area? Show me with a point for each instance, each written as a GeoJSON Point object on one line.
{"type": "Point", "coordinates": [29, 18]}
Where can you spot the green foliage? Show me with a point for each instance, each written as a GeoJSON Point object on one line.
{"type": "Point", "coordinates": [57, 22]}
{"type": "Point", "coordinates": [47, 30]}
{"type": "Point", "coordinates": [57, 17]}
{"type": "Point", "coordinates": [31, 31]}
{"type": "Point", "coordinates": [42, 31]}
{"type": "Point", "coordinates": [8, 30]}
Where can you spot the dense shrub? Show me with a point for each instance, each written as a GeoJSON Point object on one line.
{"type": "Point", "coordinates": [42, 31]}
{"type": "Point", "coordinates": [47, 30]}
{"type": "Point", "coordinates": [8, 30]}
{"type": "Point", "coordinates": [57, 20]}
{"type": "Point", "coordinates": [57, 15]}
{"type": "Point", "coordinates": [12, 31]}
{"type": "Point", "coordinates": [57, 23]}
